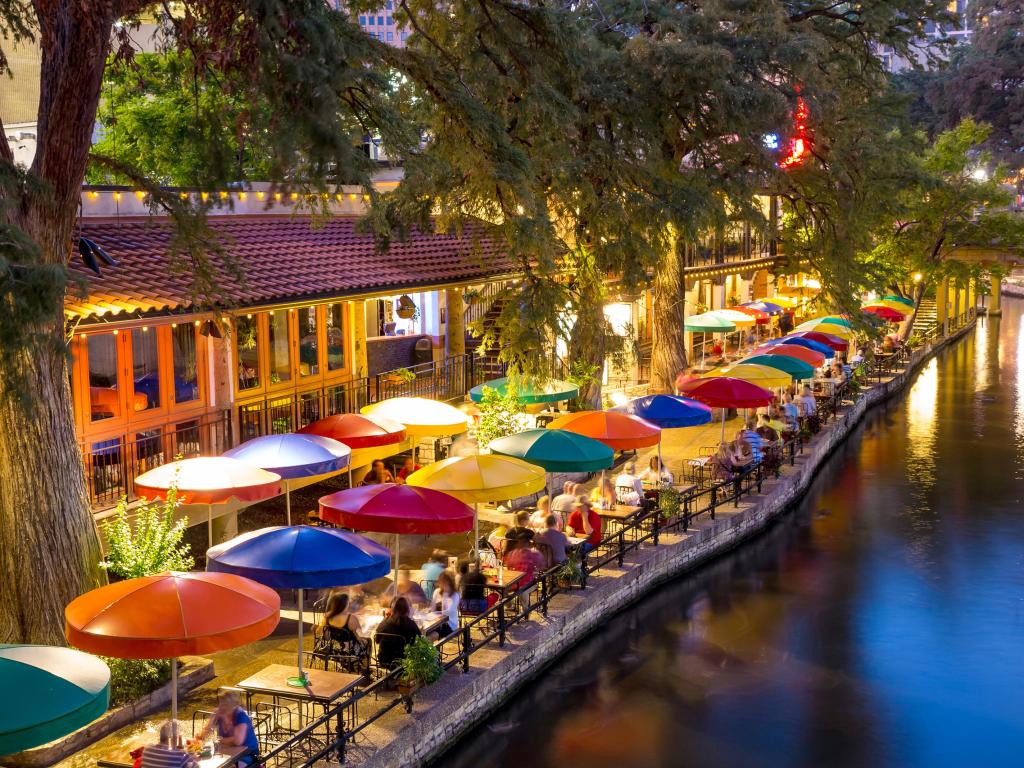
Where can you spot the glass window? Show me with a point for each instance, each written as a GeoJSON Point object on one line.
{"type": "Point", "coordinates": [309, 352]}
{"type": "Point", "coordinates": [247, 340]}
{"type": "Point", "coordinates": [390, 20]}
{"type": "Point", "coordinates": [185, 362]}
{"type": "Point", "coordinates": [362, 21]}
{"type": "Point", "coordinates": [145, 370]}
{"type": "Point", "coordinates": [380, 21]}
{"type": "Point", "coordinates": [389, 5]}
{"type": "Point", "coordinates": [373, 20]}
{"type": "Point", "coordinates": [391, 36]}
{"type": "Point", "coordinates": [335, 337]}
{"type": "Point", "coordinates": [280, 360]}
{"type": "Point", "coordinates": [104, 397]}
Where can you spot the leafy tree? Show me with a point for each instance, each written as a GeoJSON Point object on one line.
{"type": "Point", "coordinates": [500, 414]}
{"type": "Point", "coordinates": [152, 544]}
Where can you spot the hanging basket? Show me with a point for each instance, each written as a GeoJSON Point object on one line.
{"type": "Point", "coordinates": [407, 309]}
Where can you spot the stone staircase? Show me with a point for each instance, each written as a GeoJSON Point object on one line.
{"type": "Point", "coordinates": [487, 362]}
{"type": "Point", "coordinates": [926, 318]}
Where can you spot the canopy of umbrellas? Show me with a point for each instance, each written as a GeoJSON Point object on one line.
{"type": "Point", "coordinates": [235, 602]}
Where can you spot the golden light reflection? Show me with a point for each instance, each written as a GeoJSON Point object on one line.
{"type": "Point", "coordinates": [981, 360]}
{"type": "Point", "coordinates": [922, 413]}
{"type": "Point", "coordinates": [1018, 411]}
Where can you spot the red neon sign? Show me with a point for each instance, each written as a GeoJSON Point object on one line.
{"type": "Point", "coordinates": [800, 144]}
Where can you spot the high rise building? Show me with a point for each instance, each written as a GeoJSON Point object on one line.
{"type": "Point", "coordinates": [956, 33]}
{"type": "Point", "coordinates": [381, 25]}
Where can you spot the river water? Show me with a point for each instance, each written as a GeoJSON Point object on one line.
{"type": "Point", "coordinates": [881, 623]}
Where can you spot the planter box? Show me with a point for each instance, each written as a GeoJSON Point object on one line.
{"type": "Point", "coordinates": [193, 671]}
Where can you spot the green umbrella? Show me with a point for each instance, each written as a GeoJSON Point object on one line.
{"type": "Point", "coordinates": [837, 320]}
{"type": "Point", "coordinates": [48, 693]}
{"type": "Point", "coordinates": [899, 299]}
{"type": "Point", "coordinates": [528, 390]}
{"type": "Point", "coordinates": [795, 367]}
{"type": "Point", "coordinates": [708, 322]}
{"type": "Point", "coordinates": [555, 450]}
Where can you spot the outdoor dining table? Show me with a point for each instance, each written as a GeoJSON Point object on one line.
{"type": "Point", "coordinates": [427, 621]}
{"type": "Point", "coordinates": [503, 580]}
{"type": "Point", "coordinates": [325, 686]}
{"type": "Point", "coordinates": [223, 755]}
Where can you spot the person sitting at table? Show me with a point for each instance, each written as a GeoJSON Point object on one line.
{"type": "Point", "coordinates": [888, 345]}
{"type": "Point", "coordinates": [233, 726]}
{"type": "Point", "coordinates": [753, 439]}
{"type": "Point", "coordinates": [742, 453]}
{"type": "Point", "coordinates": [395, 632]}
{"type": "Point", "coordinates": [540, 514]}
{"type": "Point", "coordinates": [496, 539]}
{"type": "Point", "coordinates": [432, 568]}
{"type": "Point", "coordinates": [408, 467]}
{"type": "Point", "coordinates": [585, 523]}
{"type": "Point", "coordinates": [446, 599]}
{"type": "Point", "coordinates": [766, 430]}
{"type": "Point", "coordinates": [716, 349]}
{"type": "Point", "coordinates": [554, 540]}
{"type": "Point", "coordinates": [628, 479]}
{"type": "Point", "coordinates": [521, 555]}
{"type": "Point", "coordinates": [165, 754]}
{"type": "Point", "coordinates": [410, 590]}
{"type": "Point", "coordinates": [471, 586]}
{"type": "Point", "coordinates": [521, 530]}
{"type": "Point", "coordinates": [656, 474]}
{"type": "Point", "coordinates": [603, 495]}
{"type": "Point", "coordinates": [722, 462]}
{"type": "Point", "coordinates": [807, 404]}
{"type": "Point", "coordinates": [791, 414]}
{"type": "Point", "coordinates": [378, 474]}
{"type": "Point", "coordinates": [337, 634]}
{"type": "Point", "coordinates": [563, 503]}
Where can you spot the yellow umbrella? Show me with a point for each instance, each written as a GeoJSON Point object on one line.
{"type": "Point", "coordinates": [783, 301]}
{"type": "Point", "coordinates": [420, 416]}
{"type": "Point", "coordinates": [473, 479]}
{"type": "Point", "coordinates": [898, 306]}
{"type": "Point", "coordinates": [833, 328]}
{"type": "Point", "coordinates": [761, 375]}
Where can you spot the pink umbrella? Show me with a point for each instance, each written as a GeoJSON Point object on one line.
{"type": "Point", "coordinates": [726, 392]}
{"type": "Point", "coordinates": [834, 342]}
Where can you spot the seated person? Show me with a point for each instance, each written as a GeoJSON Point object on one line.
{"type": "Point", "coordinates": [410, 590]}
{"type": "Point", "coordinates": [496, 538]}
{"type": "Point", "coordinates": [540, 515]}
{"type": "Point", "coordinates": [585, 523]}
{"type": "Point", "coordinates": [808, 405]}
{"type": "Point", "coordinates": [432, 568]}
{"type": "Point", "coordinates": [562, 504]}
{"type": "Point", "coordinates": [446, 599]}
{"type": "Point", "coordinates": [749, 433]}
{"type": "Point", "coordinates": [521, 530]}
{"type": "Point", "coordinates": [722, 462]}
{"type": "Point", "coordinates": [603, 495]}
{"type": "Point", "coordinates": [766, 430]}
{"type": "Point", "coordinates": [656, 474]}
{"type": "Point", "coordinates": [378, 474]}
{"type": "Point", "coordinates": [408, 467]}
{"type": "Point", "coordinates": [471, 587]}
{"type": "Point", "coordinates": [791, 414]}
{"type": "Point", "coordinates": [394, 633]}
{"type": "Point", "coordinates": [338, 631]}
{"type": "Point", "coordinates": [555, 540]}
{"type": "Point", "coordinates": [169, 751]}
{"type": "Point", "coordinates": [233, 725]}
{"type": "Point", "coordinates": [521, 555]}
{"type": "Point", "coordinates": [742, 453]}
{"type": "Point", "coordinates": [628, 488]}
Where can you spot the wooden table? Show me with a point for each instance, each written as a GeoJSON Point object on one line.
{"type": "Point", "coordinates": [324, 687]}
{"type": "Point", "coordinates": [222, 757]}
{"type": "Point", "coordinates": [427, 622]}
{"type": "Point", "coordinates": [503, 580]}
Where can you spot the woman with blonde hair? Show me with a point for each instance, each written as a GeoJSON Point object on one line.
{"type": "Point", "coordinates": [233, 725]}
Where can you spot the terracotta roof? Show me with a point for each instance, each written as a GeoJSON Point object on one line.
{"type": "Point", "coordinates": [283, 258]}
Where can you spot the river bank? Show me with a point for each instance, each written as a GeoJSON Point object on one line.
{"type": "Point", "coordinates": [448, 710]}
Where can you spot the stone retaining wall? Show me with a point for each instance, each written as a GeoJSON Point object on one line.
{"type": "Point", "coordinates": [445, 722]}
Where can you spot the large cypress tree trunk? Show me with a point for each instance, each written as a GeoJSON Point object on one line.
{"type": "Point", "coordinates": [668, 314]}
{"type": "Point", "coordinates": [587, 343]}
{"type": "Point", "coordinates": [49, 552]}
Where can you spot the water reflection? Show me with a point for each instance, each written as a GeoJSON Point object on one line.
{"type": "Point", "coordinates": [880, 624]}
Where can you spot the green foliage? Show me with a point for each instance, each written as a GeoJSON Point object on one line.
{"type": "Point", "coordinates": [131, 679]}
{"type": "Point", "coordinates": [500, 414]}
{"type": "Point", "coordinates": [421, 662]}
{"type": "Point", "coordinates": [583, 374]}
{"type": "Point", "coordinates": [670, 501]}
{"type": "Point", "coordinates": [404, 375]}
{"type": "Point", "coordinates": [571, 571]}
{"type": "Point", "coordinates": [152, 544]}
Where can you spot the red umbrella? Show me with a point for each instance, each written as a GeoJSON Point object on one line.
{"type": "Point", "coordinates": [357, 430]}
{"type": "Point", "coordinates": [809, 356]}
{"type": "Point", "coordinates": [171, 615]}
{"type": "Point", "coordinates": [886, 313]}
{"type": "Point", "coordinates": [836, 343]}
{"type": "Point", "coordinates": [759, 316]}
{"type": "Point", "coordinates": [726, 392]}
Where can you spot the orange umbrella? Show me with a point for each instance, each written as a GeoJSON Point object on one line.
{"type": "Point", "coordinates": [209, 480]}
{"type": "Point", "coordinates": [171, 615]}
{"type": "Point", "coordinates": [619, 431]}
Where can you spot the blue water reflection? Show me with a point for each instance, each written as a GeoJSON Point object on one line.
{"type": "Point", "coordinates": [881, 624]}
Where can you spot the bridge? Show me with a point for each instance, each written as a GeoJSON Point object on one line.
{"type": "Point", "coordinates": [1009, 257]}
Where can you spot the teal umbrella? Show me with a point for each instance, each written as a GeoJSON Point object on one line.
{"type": "Point", "coordinates": [528, 390]}
{"type": "Point", "coordinates": [795, 367]}
{"type": "Point", "coordinates": [555, 450]}
{"type": "Point", "coordinates": [708, 322]}
{"type": "Point", "coordinates": [836, 320]}
{"type": "Point", "coordinates": [48, 693]}
{"type": "Point", "coordinates": [899, 300]}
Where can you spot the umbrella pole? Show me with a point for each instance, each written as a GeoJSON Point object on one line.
{"type": "Point", "coordinates": [299, 681]}
{"type": "Point", "coordinates": [288, 503]}
{"type": "Point", "coordinates": [473, 552]}
{"type": "Point", "coordinates": [174, 702]}
{"type": "Point", "coordinates": [398, 542]}
{"type": "Point", "coordinates": [209, 524]}
{"type": "Point", "coordinates": [723, 426]}
{"type": "Point", "coordinates": [350, 476]}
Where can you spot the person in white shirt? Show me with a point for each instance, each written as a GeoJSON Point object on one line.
{"type": "Point", "coordinates": [808, 406]}
{"type": "Point", "coordinates": [628, 479]}
{"type": "Point", "coordinates": [562, 504]}
{"type": "Point", "coordinates": [656, 474]}
{"type": "Point", "coordinates": [446, 599]}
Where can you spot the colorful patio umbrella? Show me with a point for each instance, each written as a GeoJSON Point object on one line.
{"type": "Point", "coordinates": [827, 339]}
{"type": "Point", "coordinates": [422, 417]}
{"type": "Point", "coordinates": [724, 392]}
{"type": "Point", "coordinates": [886, 313]}
{"type": "Point", "coordinates": [762, 375]}
{"type": "Point", "coordinates": [897, 306]}
{"type": "Point", "coordinates": [556, 450]}
{"type": "Point", "coordinates": [780, 301]}
{"type": "Point", "coordinates": [811, 344]}
{"type": "Point", "coordinates": [482, 478]}
{"type": "Point", "coordinates": [760, 316]}
{"type": "Point", "coordinates": [909, 303]}
{"type": "Point", "coordinates": [766, 307]}
{"type": "Point", "coordinates": [708, 322]}
{"type": "Point", "coordinates": [171, 615]}
{"type": "Point", "coordinates": [835, 320]}
{"type": "Point", "coordinates": [795, 367]}
{"type": "Point", "coordinates": [819, 326]}
{"type": "Point", "coordinates": [357, 430]}
{"type": "Point", "coordinates": [739, 319]}
{"type": "Point", "coordinates": [301, 557]}
{"type": "Point", "coordinates": [397, 509]}
{"type": "Point", "coordinates": [48, 693]}
{"type": "Point", "coordinates": [809, 356]}
{"type": "Point", "coordinates": [528, 390]}
{"type": "Point", "coordinates": [667, 412]}
{"type": "Point", "coordinates": [210, 481]}
{"type": "Point", "coordinates": [293, 457]}
{"type": "Point", "coordinates": [619, 431]}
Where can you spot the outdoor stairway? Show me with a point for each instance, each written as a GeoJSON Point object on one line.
{"type": "Point", "coordinates": [926, 318]}
{"type": "Point", "coordinates": [487, 359]}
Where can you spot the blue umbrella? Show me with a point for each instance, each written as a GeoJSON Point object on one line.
{"type": "Point", "coordinates": [827, 351]}
{"type": "Point", "coordinates": [301, 557]}
{"type": "Point", "coordinates": [293, 457]}
{"type": "Point", "coordinates": [765, 306]}
{"type": "Point", "coordinates": [667, 412]}
{"type": "Point", "coordinates": [50, 692]}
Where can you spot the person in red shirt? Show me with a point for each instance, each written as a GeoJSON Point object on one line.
{"type": "Point", "coordinates": [585, 522]}
{"type": "Point", "coordinates": [407, 469]}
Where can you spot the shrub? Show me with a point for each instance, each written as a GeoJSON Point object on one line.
{"type": "Point", "coordinates": [131, 679]}
{"type": "Point", "coordinates": [421, 664]}
{"type": "Point", "coordinates": [499, 414]}
{"type": "Point", "coordinates": [152, 544]}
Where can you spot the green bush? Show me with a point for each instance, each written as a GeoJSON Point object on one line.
{"type": "Point", "coordinates": [421, 664]}
{"type": "Point", "coordinates": [131, 679]}
{"type": "Point", "coordinates": [151, 544]}
{"type": "Point", "coordinates": [499, 414]}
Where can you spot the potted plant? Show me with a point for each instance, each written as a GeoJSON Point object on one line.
{"type": "Point", "coordinates": [421, 666]}
{"type": "Point", "coordinates": [670, 502]}
{"type": "Point", "coordinates": [407, 309]}
{"type": "Point", "coordinates": [571, 572]}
